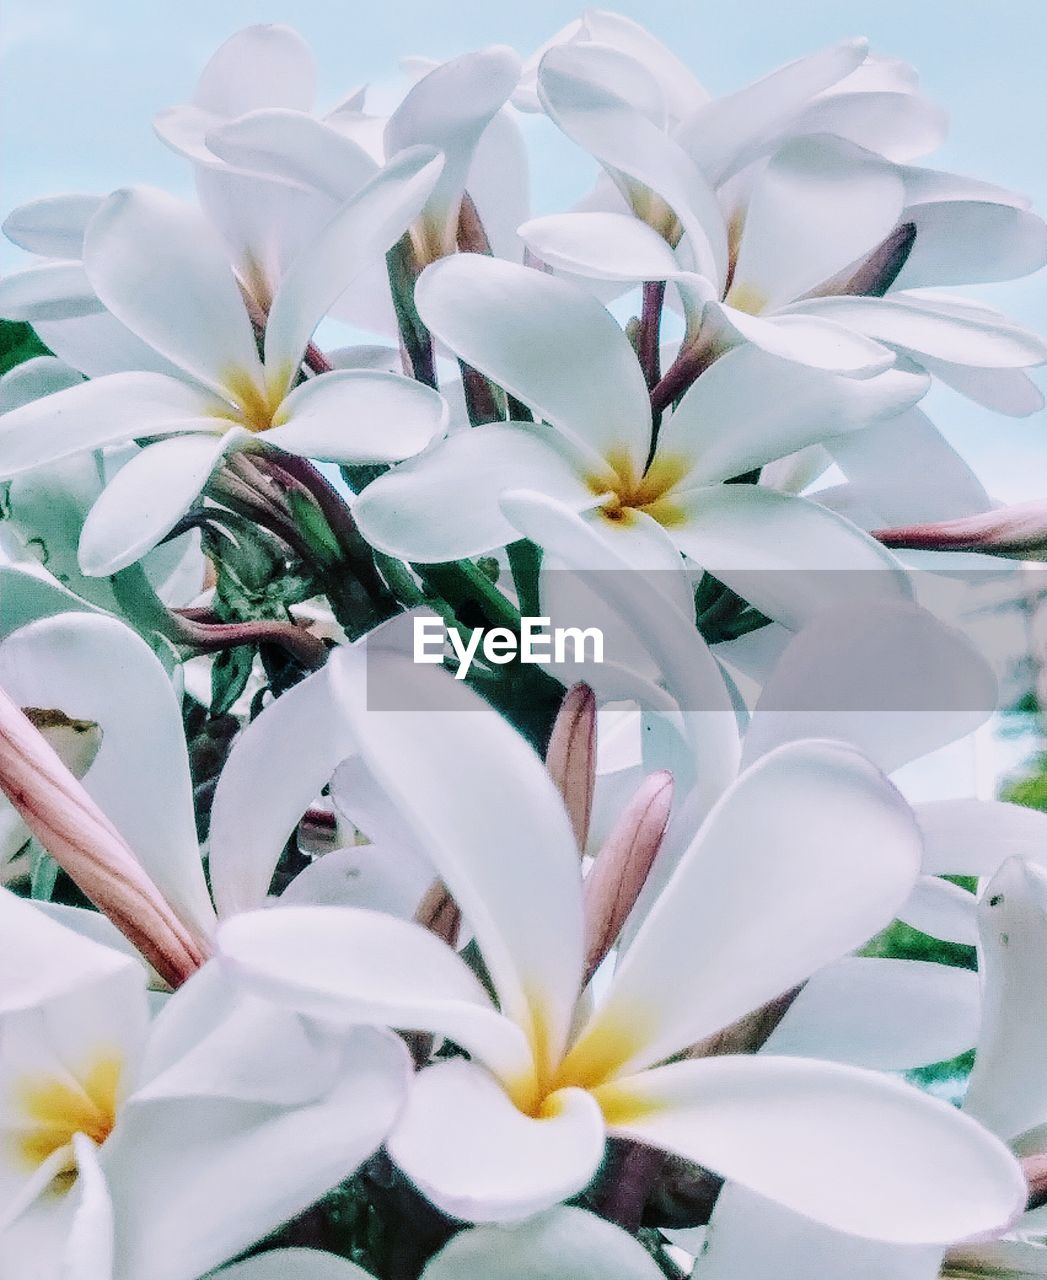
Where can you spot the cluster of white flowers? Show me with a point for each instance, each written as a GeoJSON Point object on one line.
{"type": "Point", "coordinates": [318, 963]}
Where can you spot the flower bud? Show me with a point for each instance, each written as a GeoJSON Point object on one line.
{"type": "Point", "coordinates": [1018, 532]}
{"type": "Point", "coordinates": [571, 757]}
{"type": "Point", "coordinates": [82, 840]}
{"type": "Point", "coordinates": [621, 868]}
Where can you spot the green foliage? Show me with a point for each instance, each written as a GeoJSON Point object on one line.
{"type": "Point", "coordinates": [18, 343]}
{"type": "Point", "coordinates": [1031, 789]}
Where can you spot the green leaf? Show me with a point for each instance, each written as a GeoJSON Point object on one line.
{"type": "Point", "coordinates": [230, 673]}
{"type": "Point", "coordinates": [43, 873]}
{"type": "Point", "coordinates": [18, 343]}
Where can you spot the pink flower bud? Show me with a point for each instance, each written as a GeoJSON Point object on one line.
{"type": "Point", "coordinates": [571, 757]}
{"type": "Point", "coordinates": [1019, 532]}
{"type": "Point", "coordinates": [82, 840]}
{"type": "Point", "coordinates": [620, 869]}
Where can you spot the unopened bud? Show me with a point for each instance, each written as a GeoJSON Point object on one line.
{"type": "Point", "coordinates": [438, 912]}
{"type": "Point", "coordinates": [82, 840]}
{"type": "Point", "coordinates": [1018, 532]}
{"type": "Point", "coordinates": [621, 868]}
{"type": "Point", "coordinates": [571, 757]}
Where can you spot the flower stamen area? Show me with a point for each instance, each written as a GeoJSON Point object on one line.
{"type": "Point", "coordinates": [253, 407]}
{"type": "Point", "coordinates": [55, 1108]}
{"type": "Point", "coordinates": [621, 494]}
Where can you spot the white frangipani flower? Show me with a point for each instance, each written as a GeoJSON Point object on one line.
{"type": "Point", "coordinates": [158, 269]}
{"type": "Point", "coordinates": [823, 217]}
{"type": "Point", "coordinates": [523, 1123]}
{"type": "Point", "coordinates": [132, 1152]}
{"type": "Point", "coordinates": [555, 348]}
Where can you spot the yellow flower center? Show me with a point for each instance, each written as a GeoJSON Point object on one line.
{"type": "Point", "coordinates": [622, 494]}
{"type": "Point", "coordinates": [251, 406]}
{"type": "Point", "coordinates": [747, 298]}
{"type": "Point", "coordinates": [54, 1108]}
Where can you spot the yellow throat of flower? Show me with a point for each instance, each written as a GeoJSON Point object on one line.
{"type": "Point", "coordinates": [54, 1108]}
{"type": "Point", "coordinates": [253, 407]}
{"type": "Point", "coordinates": [622, 494]}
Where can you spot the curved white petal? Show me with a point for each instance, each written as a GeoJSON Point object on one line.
{"type": "Point", "coordinates": [52, 226]}
{"type": "Point", "coordinates": [943, 910]}
{"type": "Point", "coordinates": [94, 668]}
{"type": "Point", "coordinates": [928, 328]}
{"type": "Point", "coordinates": [548, 343]}
{"type": "Point", "coordinates": [358, 234]}
{"type": "Point", "coordinates": [564, 1243]}
{"type": "Point", "coordinates": [480, 804]}
{"type": "Point", "coordinates": [355, 966]}
{"type": "Point", "coordinates": [32, 379]}
{"type": "Point", "coordinates": [687, 667]}
{"type": "Point", "coordinates": [640, 156]}
{"type": "Point", "coordinates": [789, 557]}
{"type": "Point", "coordinates": [49, 291]}
{"type": "Point", "coordinates": [889, 678]}
{"type": "Point", "coordinates": [972, 242]}
{"type": "Point", "coordinates": [183, 1174]}
{"type": "Point", "coordinates": [160, 269]}
{"type": "Point", "coordinates": [763, 898]}
{"type": "Point", "coordinates": [1008, 1088]}
{"type": "Point", "coordinates": [752, 1236]}
{"type": "Point", "coordinates": [276, 768]}
{"type": "Point", "coordinates": [750, 407]}
{"type": "Point", "coordinates": [296, 1264]}
{"type": "Point", "coordinates": [30, 593]}
{"type": "Point", "coordinates": [601, 244]}
{"type": "Point", "coordinates": [267, 64]}
{"type": "Point", "coordinates": [109, 410]}
{"type": "Point", "coordinates": [1009, 391]}
{"type": "Point", "coordinates": [890, 1015]}
{"type": "Point", "coordinates": [870, 457]}
{"type": "Point", "coordinates": [296, 148]}
{"type": "Point", "coordinates": [377, 878]}
{"type": "Point", "coordinates": [725, 133]}
{"type": "Point", "coordinates": [99, 344]}
{"type": "Point", "coordinates": [147, 497]}
{"type": "Point", "coordinates": [808, 340]}
{"type": "Point", "coordinates": [475, 1156]}
{"type": "Point", "coordinates": [818, 206]}
{"type": "Point", "coordinates": [971, 837]}
{"type": "Point", "coordinates": [897, 125]}
{"type": "Point", "coordinates": [358, 415]}
{"type": "Point", "coordinates": [449, 109]}
{"type": "Point", "coordinates": [445, 504]}
{"type": "Point", "coordinates": [88, 1251]}
{"type": "Point", "coordinates": [879, 1158]}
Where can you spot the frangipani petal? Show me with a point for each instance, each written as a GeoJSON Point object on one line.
{"type": "Point", "coordinates": [475, 1156]}
{"type": "Point", "coordinates": [943, 910]}
{"type": "Point", "coordinates": [53, 226]}
{"type": "Point", "coordinates": [933, 329]}
{"type": "Point", "coordinates": [971, 837]}
{"type": "Point", "coordinates": [147, 497]}
{"type": "Point", "coordinates": [349, 965]}
{"type": "Point", "coordinates": [788, 556]}
{"type": "Point", "coordinates": [1007, 1089]}
{"type": "Point", "coordinates": [445, 504]}
{"type": "Point", "coordinates": [295, 1264]}
{"type": "Point", "coordinates": [808, 340]}
{"type": "Point", "coordinates": [751, 407]}
{"type": "Point", "coordinates": [926, 1175]}
{"type": "Point", "coordinates": [818, 206]}
{"type": "Point", "coordinates": [263, 65]}
{"type": "Point", "coordinates": [359, 415]}
{"type": "Point", "coordinates": [761, 900]}
{"type": "Point", "coordinates": [548, 343]}
{"type": "Point", "coordinates": [564, 1243]}
{"type": "Point", "coordinates": [358, 234]}
{"type": "Point", "coordinates": [160, 269]}
{"type": "Point", "coordinates": [108, 410]}
{"type": "Point", "coordinates": [890, 1015]}
{"type": "Point", "coordinates": [49, 291]}
{"type": "Point", "coordinates": [449, 109]}
{"type": "Point", "coordinates": [184, 1174]}
{"type": "Point", "coordinates": [479, 802]}
{"type": "Point", "coordinates": [640, 156]}
{"type": "Point", "coordinates": [752, 1236]}
{"type": "Point", "coordinates": [971, 242]}
{"type": "Point", "coordinates": [889, 678]}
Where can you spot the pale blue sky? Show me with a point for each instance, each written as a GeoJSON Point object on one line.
{"type": "Point", "coordinates": [81, 79]}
